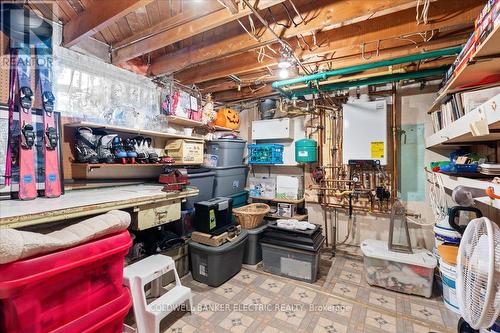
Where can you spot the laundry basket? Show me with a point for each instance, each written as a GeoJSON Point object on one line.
{"type": "Point", "coordinates": [251, 216]}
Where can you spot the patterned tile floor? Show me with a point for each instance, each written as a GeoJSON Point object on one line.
{"type": "Point", "coordinates": [341, 301]}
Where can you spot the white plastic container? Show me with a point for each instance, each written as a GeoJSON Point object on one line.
{"type": "Point", "coordinates": [410, 273]}
{"type": "Point", "coordinates": [449, 277]}
{"type": "Point", "coordinates": [443, 234]}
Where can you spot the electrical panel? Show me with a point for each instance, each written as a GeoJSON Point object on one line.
{"type": "Point", "coordinates": [273, 129]}
{"type": "Point", "coordinates": [365, 132]}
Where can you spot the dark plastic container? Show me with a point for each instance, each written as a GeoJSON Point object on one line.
{"type": "Point", "coordinates": [229, 180]}
{"type": "Point", "coordinates": [253, 249]}
{"type": "Point", "coordinates": [216, 265]}
{"type": "Point", "coordinates": [293, 254]}
{"type": "Point", "coordinates": [203, 179]}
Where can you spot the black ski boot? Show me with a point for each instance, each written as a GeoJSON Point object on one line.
{"type": "Point", "coordinates": [85, 146]}
{"type": "Point", "coordinates": [129, 145]}
{"type": "Point", "coordinates": [105, 149]}
{"type": "Point", "coordinates": [118, 150]}
{"type": "Point", "coordinates": [150, 151]}
{"type": "Point", "coordinates": [141, 149]}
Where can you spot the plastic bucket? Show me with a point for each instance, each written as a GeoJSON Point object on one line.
{"type": "Point", "coordinates": [449, 277]}
{"type": "Point", "coordinates": [445, 235]}
{"type": "Point", "coordinates": [306, 151]}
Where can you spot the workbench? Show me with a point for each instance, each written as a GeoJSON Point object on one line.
{"type": "Point", "coordinates": [87, 202]}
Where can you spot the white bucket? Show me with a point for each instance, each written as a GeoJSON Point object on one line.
{"type": "Point", "coordinates": [449, 277]}
{"type": "Point", "coordinates": [442, 235]}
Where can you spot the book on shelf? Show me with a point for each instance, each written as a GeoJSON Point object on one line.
{"type": "Point", "coordinates": [455, 106]}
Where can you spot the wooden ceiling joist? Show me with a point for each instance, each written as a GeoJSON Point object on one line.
{"type": "Point", "coordinates": [231, 5]}
{"type": "Point", "coordinates": [184, 31]}
{"type": "Point", "coordinates": [96, 17]}
{"type": "Point", "coordinates": [321, 14]}
{"type": "Point", "coordinates": [388, 29]}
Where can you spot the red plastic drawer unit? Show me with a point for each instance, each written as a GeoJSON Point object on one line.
{"type": "Point", "coordinates": [43, 293]}
{"type": "Point", "coordinates": [107, 318]}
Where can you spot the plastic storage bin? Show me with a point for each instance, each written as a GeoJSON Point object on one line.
{"type": "Point", "coordinates": [253, 249]}
{"type": "Point", "coordinates": [216, 265]}
{"type": "Point", "coordinates": [203, 179]}
{"type": "Point", "coordinates": [107, 318]}
{"type": "Point", "coordinates": [229, 152]}
{"type": "Point", "coordinates": [410, 273]}
{"type": "Point", "coordinates": [292, 253]}
{"type": "Point", "coordinates": [265, 153]}
{"type": "Point", "coordinates": [43, 293]}
{"type": "Point", "coordinates": [239, 199]}
{"type": "Point", "coordinates": [229, 180]}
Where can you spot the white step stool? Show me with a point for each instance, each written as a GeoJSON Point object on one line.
{"type": "Point", "coordinates": [151, 269]}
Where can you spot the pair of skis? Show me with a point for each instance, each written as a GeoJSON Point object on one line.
{"type": "Point", "coordinates": [21, 82]}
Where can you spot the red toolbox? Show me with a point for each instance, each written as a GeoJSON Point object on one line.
{"type": "Point", "coordinates": [44, 293]}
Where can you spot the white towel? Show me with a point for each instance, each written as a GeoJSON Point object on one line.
{"type": "Point", "coordinates": [17, 244]}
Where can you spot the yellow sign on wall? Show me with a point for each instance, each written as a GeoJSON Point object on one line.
{"type": "Point", "coordinates": [377, 149]}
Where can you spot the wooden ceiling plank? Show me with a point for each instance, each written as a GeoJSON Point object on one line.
{"type": "Point", "coordinates": [169, 23]}
{"type": "Point", "coordinates": [96, 17]}
{"type": "Point", "coordinates": [231, 5]}
{"type": "Point", "coordinates": [319, 15]}
{"type": "Point", "coordinates": [381, 28]}
{"type": "Point", "coordinates": [181, 32]}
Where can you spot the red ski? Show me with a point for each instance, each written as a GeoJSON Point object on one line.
{"type": "Point", "coordinates": [26, 158]}
{"type": "Point", "coordinates": [50, 135]}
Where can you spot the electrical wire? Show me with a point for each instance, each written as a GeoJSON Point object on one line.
{"type": "Point", "coordinates": [421, 16]}
{"type": "Point", "coordinates": [437, 196]}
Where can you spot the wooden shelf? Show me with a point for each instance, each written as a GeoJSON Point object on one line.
{"type": "Point", "coordinates": [85, 171]}
{"type": "Point", "coordinates": [296, 216]}
{"type": "Point", "coordinates": [485, 62]}
{"type": "Point", "coordinates": [459, 131]}
{"type": "Point", "coordinates": [292, 201]}
{"type": "Point", "coordinates": [451, 182]}
{"type": "Point", "coordinates": [133, 131]}
{"type": "Point", "coordinates": [174, 120]}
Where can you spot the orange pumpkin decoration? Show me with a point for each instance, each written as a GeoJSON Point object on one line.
{"type": "Point", "coordinates": [228, 118]}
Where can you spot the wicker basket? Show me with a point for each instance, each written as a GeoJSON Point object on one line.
{"type": "Point", "coordinates": [251, 216]}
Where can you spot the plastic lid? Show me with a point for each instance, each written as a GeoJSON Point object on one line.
{"type": "Point", "coordinates": [449, 233]}
{"type": "Point", "coordinates": [192, 171]}
{"type": "Point", "coordinates": [242, 237]}
{"type": "Point", "coordinates": [379, 250]}
{"type": "Point", "coordinates": [257, 230]}
{"type": "Point", "coordinates": [228, 140]}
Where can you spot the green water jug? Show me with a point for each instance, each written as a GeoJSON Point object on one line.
{"type": "Point", "coordinates": [306, 151]}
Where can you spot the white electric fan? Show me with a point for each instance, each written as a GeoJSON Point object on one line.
{"type": "Point", "coordinates": [478, 275]}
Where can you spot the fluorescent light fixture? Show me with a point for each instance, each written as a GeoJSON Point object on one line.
{"type": "Point", "coordinates": [283, 73]}
{"type": "Point", "coordinates": [284, 64]}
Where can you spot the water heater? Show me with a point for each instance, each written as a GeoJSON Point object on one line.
{"type": "Point", "coordinates": [365, 131]}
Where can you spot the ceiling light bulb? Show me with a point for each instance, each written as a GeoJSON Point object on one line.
{"type": "Point", "coordinates": [283, 73]}
{"type": "Point", "coordinates": [284, 64]}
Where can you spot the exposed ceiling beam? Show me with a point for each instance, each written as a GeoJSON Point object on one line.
{"type": "Point", "coordinates": [244, 94]}
{"type": "Point", "coordinates": [231, 5]}
{"type": "Point", "coordinates": [187, 30]}
{"type": "Point", "coordinates": [387, 29]}
{"type": "Point", "coordinates": [170, 23]}
{"type": "Point", "coordinates": [96, 17]}
{"type": "Point", "coordinates": [320, 14]}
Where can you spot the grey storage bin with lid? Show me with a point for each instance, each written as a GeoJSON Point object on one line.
{"type": "Point", "coordinates": [216, 265]}
{"type": "Point", "coordinates": [229, 180]}
{"type": "Point", "coordinates": [294, 254]}
{"type": "Point", "coordinates": [203, 179]}
{"type": "Point", "coordinates": [229, 152]}
{"type": "Point", "coordinates": [253, 249]}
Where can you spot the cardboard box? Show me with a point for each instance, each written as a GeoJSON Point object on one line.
{"type": "Point", "coordinates": [289, 187]}
{"type": "Point", "coordinates": [285, 210]}
{"type": "Point", "coordinates": [185, 151]}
